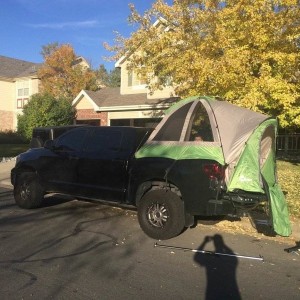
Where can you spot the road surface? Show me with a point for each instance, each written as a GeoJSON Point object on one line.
{"type": "Point", "coordinates": [85, 250]}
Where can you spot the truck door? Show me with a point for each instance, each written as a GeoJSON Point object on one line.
{"type": "Point", "coordinates": [59, 170]}
{"type": "Point", "coordinates": [102, 167]}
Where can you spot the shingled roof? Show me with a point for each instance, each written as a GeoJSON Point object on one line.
{"type": "Point", "coordinates": [111, 97]}
{"type": "Point", "coordinates": [12, 67]}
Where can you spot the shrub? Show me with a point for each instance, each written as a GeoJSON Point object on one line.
{"type": "Point", "coordinates": [12, 137]}
{"type": "Point", "coordinates": [44, 110]}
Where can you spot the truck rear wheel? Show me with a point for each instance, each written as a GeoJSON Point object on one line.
{"type": "Point", "coordinates": [161, 214]}
{"type": "Point", "coordinates": [28, 192]}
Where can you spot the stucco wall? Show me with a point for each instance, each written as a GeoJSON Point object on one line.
{"type": "Point", "coordinates": [33, 85]}
{"type": "Point", "coordinates": [6, 120]}
{"type": "Point", "coordinates": [84, 103]}
{"type": "Point", "coordinates": [7, 95]}
{"type": "Point", "coordinates": [138, 89]}
{"type": "Point", "coordinates": [8, 100]}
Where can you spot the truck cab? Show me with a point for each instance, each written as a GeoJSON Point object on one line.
{"type": "Point", "coordinates": [89, 162]}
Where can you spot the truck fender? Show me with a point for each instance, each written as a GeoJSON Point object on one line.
{"type": "Point", "coordinates": [161, 185]}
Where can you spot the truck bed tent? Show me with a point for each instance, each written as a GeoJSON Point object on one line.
{"type": "Point", "coordinates": [240, 139]}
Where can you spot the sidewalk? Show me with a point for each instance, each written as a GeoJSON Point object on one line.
{"type": "Point", "coordinates": [5, 168]}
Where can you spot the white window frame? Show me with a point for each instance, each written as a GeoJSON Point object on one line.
{"type": "Point", "coordinates": [22, 97]}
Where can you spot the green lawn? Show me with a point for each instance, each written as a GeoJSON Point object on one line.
{"type": "Point", "coordinates": [12, 150]}
{"type": "Point", "coordinates": [289, 179]}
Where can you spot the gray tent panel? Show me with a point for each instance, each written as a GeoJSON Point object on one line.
{"type": "Point", "coordinates": [235, 125]}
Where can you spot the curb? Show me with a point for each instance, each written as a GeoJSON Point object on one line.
{"type": "Point", "coordinates": [6, 164]}
{"type": "Point", "coordinates": [6, 183]}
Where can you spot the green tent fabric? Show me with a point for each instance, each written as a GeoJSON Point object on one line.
{"type": "Point", "coordinates": [268, 170]}
{"type": "Point", "coordinates": [246, 175]}
{"type": "Point", "coordinates": [181, 151]}
{"type": "Point", "coordinates": [279, 210]}
{"type": "Point", "coordinates": [280, 214]}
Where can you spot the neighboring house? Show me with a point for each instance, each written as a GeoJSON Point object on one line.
{"type": "Point", "coordinates": [82, 62]}
{"type": "Point", "coordinates": [132, 104]}
{"type": "Point", "coordinates": [129, 105]}
{"type": "Point", "coordinates": [108, 107]}
{"type": "Point", "coordinates": [18, 81]}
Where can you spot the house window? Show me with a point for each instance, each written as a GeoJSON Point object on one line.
{"type": "Point", "coordinates": [22, 97]}
{"type": "Point", "coordinates": [136, 80]}
{"type": "Point", "coordinates": [130, 78]}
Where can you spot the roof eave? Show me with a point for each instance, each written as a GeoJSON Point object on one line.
{"type": "Point", "coordinates": [120, 61]}
{"type": "Point", "coordinates": [8, 79]}
{"type": "Point", "coordinates": [132, 107]}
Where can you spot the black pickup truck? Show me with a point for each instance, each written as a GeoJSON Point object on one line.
{"type": "Point", "coordinates": [206, 157]}
{"type": "Point", "coordinates": [99, 163]}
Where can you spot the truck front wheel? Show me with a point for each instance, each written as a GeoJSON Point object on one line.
{"type": "Point", "coordinates": [28, 192]}
{"type": "Point", "coordinates": [161, 214]}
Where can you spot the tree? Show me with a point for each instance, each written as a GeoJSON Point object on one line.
{"type": "Point", "coordinates": [48, 49]}
{"type": "Point", "coordinates": [108, 79]}
{"type": "Point", "coordinates": [59, 75]}
{"type": "Point", "coordinates": [245, 51]}
{"type": "Point", "coordinates": [115, 77]}
{"type": "Point", "coordinates": [44, 110]}
{"type": "Point", "coordinates": [102, 76]}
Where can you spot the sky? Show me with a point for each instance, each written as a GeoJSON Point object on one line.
{"type": "Point", "coordinates": [27, 25]}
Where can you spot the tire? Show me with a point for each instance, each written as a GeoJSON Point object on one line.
{"type": "Point", "coordinates": [161, 214]}
{"type": "Point", "coordinates": [28, 192]}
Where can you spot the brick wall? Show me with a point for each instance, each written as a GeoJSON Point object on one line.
{"type": "Point", "coordinates": [90, 114]}
{"type": "Point", "coordinates": [6, 120]}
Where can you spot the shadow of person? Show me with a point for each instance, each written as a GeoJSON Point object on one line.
{"type": "Point", "coordinates": [220, 270]}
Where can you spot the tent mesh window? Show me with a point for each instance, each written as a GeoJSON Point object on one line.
{"type": "Point", "coordinates": [171, 130]}
{"type": "Point", "coordinates": [200, 127]}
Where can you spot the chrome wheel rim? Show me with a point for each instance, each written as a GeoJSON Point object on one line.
{"type": "Point", "coordinates": [25, 192]}
{"type": "Point", "coordinates": [157, 215]}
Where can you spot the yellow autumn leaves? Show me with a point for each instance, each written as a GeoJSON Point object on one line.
{"type": "Point", "coordinates": [61, 78]}
{"type": "Point", "coordinates": [245, 51]}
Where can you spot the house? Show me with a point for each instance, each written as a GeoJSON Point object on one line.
{"type": "Point", "coordinates": [109, 107]}
{"type": "Point", "coordinates": [130, 105]}
{"type": "Point", "coordinates": [18, 81]}
{"type": "Point", "coordinates": [82, 62]}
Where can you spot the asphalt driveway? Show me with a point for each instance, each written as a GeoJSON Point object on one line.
{"type": "Point", "coordinates": [72, 249]}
